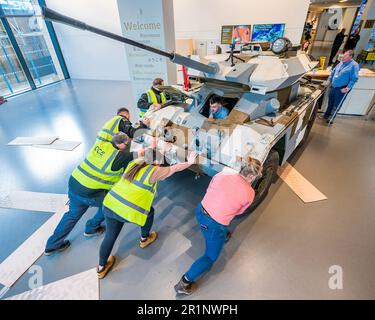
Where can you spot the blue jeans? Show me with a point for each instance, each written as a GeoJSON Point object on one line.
{"type": "Point", "coordinates": [215, 235]}
{"type": "Point", "coordinates": [335, 98]}
{"type": "Point", "coordinates": [114, 224]}
{"type": "Point", "coordinates": [78, 205]}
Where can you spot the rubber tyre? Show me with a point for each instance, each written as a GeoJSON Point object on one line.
{"type": "Point", "coordinates": [262, 185]}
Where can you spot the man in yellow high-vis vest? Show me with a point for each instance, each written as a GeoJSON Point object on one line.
{"type": "Point", "coordinates": [89, 183]}
{"type": "Point", "coordinates": [121, 123]}
{"type": "Point", "coordinates": [154, 97]}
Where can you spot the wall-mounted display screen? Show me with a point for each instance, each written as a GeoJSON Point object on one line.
{"type": "Point", "coordinates": [267, 32]}
{"type": "Point", "coordinates": [239, 34]}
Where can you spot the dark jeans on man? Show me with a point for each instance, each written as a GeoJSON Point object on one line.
{"type": "Point", "coordinates": [78, 205]}
{"type": "Point", "coordinates": [114, 224]}
{"type": "Point", "coordinates": [334, 101]}
{"type": "Point", "coordinates": [215, 235]}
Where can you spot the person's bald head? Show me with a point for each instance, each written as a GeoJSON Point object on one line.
{"type": "Point", "coordinates": [348, 55]}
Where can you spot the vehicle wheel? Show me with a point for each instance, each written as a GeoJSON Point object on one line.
{"type": "Point", "coordinates": [262, 185]}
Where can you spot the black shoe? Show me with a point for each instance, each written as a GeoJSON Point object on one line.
{"type": "Point", "coordinates": [227, 238]}
{"type": "Point", "coordinates": [321, 116]}
{"type": "Point", "coordinates": [184, 288]}
{"type": "Point", "coordinates": [64, 246]}
{"type": "Point", "coordinates": [97, 232]}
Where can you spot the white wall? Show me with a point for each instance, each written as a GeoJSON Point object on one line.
{"type": "Point", "coordinates": [202, 19]}
{"type": "Point", "coordinates": [89, 56]}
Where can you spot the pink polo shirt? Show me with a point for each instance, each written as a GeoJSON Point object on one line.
{"type": "Point", "coordinates": [227, 196]}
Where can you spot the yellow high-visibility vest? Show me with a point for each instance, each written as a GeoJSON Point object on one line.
{"type": "Point", "coordinates": [110, 128]}
{"type": "Point", "coordinates": [152, 98]}
{"type": "Point", "coordinates": [133, 200]}
{"type": "Point", "coordinates": [95, 171]}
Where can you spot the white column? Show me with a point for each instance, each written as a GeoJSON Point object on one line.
{"type": "Point", "coordinates": [151, 23]}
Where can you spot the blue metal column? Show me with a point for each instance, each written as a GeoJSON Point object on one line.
{"type": "Point", "coordinates": [17, 49]}
{"type": "Point", "coordinates": [55, 43]}
{"type": "Point", "coordinates": [10, 64]}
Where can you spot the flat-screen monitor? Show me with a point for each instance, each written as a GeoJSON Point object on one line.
{"type": "Point", "coordinates": [267, 32]}
{"type": "Point", "coordinates": [239, 34]}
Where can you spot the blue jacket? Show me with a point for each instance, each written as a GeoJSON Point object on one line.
{"type": "Point", "coordinates": [220, 114]}
{"type": "Point", "coordinates": [345, 74]}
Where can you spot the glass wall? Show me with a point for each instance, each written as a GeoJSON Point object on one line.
{"type": "Point", "coordinates": [32, 47]}
{"type": "Point", "coordinates": [12, 77]}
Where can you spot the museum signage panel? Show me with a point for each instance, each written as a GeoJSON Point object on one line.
{"type": "Point", "coordinates": [150, 25]}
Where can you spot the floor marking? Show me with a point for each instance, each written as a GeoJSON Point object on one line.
{"type": "Point", "coordinates": [60, 145]}
{"type": "Point", "coordinates": [28, 252]}
{"type": "Point", "coordinates": [299, 184]}
{"type": "Point", "coordinates": [82, 286]}
{"type": "Point", "coordinates": [33, 201]}
{"type": "Point", "coordinates": [28, 141]}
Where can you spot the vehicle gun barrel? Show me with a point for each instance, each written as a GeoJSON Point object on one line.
{"type": "Point", "coordinates": [52, 15]}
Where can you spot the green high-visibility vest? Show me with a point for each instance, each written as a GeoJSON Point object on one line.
{"type": "Point", "coordinates": [95, 171]}
{"type": "Point", "coordinates": [110, 128]}
{"type": "Point", "coordinates": [133, 200]}
{"type": "Point", "coordinates": [152, 98]}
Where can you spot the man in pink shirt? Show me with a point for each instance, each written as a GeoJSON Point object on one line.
{"type": "Point", "coordinates": [228, 195]}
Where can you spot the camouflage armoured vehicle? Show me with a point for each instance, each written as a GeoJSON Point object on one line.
{"type": "Point", "coordinates": [272, 107]}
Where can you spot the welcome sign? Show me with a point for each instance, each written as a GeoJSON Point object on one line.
{"type": "Point", "coordinates": [152, 25]}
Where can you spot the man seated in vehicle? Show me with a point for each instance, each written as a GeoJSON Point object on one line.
{"type": "Point", "coordinates": [217, 110]}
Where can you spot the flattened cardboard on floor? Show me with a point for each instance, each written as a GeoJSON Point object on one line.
{"type": "Point", "coordinates": [60, 145]}
{"type": "Point", "coordinates": [29, 141]}
{"type": "Point", "coordinates": [300, 185]}
{"type": "Point", "coordinates": [82, 286]}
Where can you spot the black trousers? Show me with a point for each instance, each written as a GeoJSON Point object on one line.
{"type": "Point", "coordinates": [334, 51]}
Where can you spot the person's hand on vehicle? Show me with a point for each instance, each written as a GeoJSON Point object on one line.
{"type": "Point", "coordinates": [156, 106]}
{"type": "Point", "coordinates": [192, 157]}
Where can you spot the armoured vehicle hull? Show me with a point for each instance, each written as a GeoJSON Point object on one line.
{"type": "Point", "coordinates": [272, 108]}
{"type": "Point", "coordinates": [272, 139]}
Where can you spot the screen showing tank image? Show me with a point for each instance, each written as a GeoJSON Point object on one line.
{"type": "Point", "coordinates": [267, 32]}
{"type": "Point", "coordinates": [235, 34]}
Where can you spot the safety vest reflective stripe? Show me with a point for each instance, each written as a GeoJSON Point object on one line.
{"type": "Point", "coordinates": [133, 200]}
{"type": "Point", "coordinates": [89, 175]}
{"type": "Point", "coordinates": [144, 186]}
{"type": "Point", "coordinates": [110, 129]}
{"type": "Point", "coordinates": [146, 173]}
{"type": "Point", "coordinates": [152, 98]}
{"type": "Point", "coordinates": [141, 183]}
{"type": "Point", "coordinates": [127, 203]}
{"type": "Point", "coordinates": [95, 171]}
{"type": "Point", "coordinates": [112, 174]}
{"type": "Point", "coordinates": [102, 139]}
